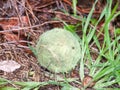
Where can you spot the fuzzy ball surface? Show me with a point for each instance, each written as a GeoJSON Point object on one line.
{"type": "Point", "coordinates": [58, 50]}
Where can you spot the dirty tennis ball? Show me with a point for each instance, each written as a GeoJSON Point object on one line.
{"type": "Point", "coordinates": [58, 50]}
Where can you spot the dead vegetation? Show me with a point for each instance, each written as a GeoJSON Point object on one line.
{"type": "Point", "coordinates": [22, 22]}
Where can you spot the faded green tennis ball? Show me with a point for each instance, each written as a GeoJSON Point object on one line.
{"type": "Point", "coordinates": [58, 50]}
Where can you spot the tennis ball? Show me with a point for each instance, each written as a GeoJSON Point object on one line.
{"type": "Point", "coordinates": [58, 50]}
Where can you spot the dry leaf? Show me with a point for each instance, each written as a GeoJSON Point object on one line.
{"type": "Point", "coordinates": [11, 37]}
{"type": "Point", "coordinates": [9, 65]}
{"type": "Point", "coordinates": [87, 81]}
{"type": "Point", "coordinates": [14, 23]}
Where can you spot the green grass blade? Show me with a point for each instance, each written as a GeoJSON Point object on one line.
{"type": "Point", "coordinates": [84, 44]}
{"type": "Point", "coordinates": [106, 84]}
{"type": "Point", "coordinates": [74, 7]}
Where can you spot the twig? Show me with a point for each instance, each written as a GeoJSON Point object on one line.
{"type": "Point", "coordinates": [27, 28]}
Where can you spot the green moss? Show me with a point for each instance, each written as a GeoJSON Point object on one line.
{"type": "Point", "coordinates": [58, 50]}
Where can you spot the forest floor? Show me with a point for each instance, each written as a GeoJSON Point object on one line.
{"type": "Point", "coordinates": [21, 24]}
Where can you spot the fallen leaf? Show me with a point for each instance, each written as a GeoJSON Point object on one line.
{"type": "Point", "coordinates": [9, 65]}
{"type": "Point", "coordinates": [11, 24]}
{"type": "Point", "coordinates": [87, 81]}
{"type": "Point", "coordinates": [11, 37]}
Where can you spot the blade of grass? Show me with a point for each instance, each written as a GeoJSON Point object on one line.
{"type": "Point", "coordinates": [104, 48]}
{"type": "Point", "coordinates": [102, 85]}
{"type": "Point", "coordinates": [112, 16]}
{"type": "Point", "coordinates": [92, 35]}
{"type": "Point", "coordinates": [74, 2]}
{"type": "Point", "coordinates": [84, 38]}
